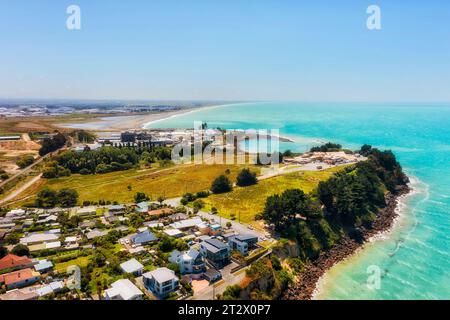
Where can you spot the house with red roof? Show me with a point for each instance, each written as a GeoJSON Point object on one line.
{"type": "Point", "coordinates": [13, 262]}
{"type": "Point", "coordinates": [19, 279]}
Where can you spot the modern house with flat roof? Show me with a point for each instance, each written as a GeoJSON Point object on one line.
{"type": "Point", "coordinates": [243, 243]}
{"type": "Point", "coordinates": [161, 281]}
{"type": "Point", "coordinates": [216, 252]}
{"type": "Point", "coordinates": [123, 289]}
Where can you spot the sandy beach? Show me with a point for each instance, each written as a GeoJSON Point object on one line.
{"type": "Point", "coordinates": [125, 122]}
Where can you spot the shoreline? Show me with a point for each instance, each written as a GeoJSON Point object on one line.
{"type": "Point", "coordinates": [307, 286]}
{"type": "Point", "coordinates": [130, 121]}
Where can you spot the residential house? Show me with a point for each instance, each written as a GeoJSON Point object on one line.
{"type": "Point", "coordinates": [190, 262]}
{"type": "Point", "coordinates": [206, 228]}
{"type": "Point", "coordinates": [143, 238]}
{"type": "Point", "coordinates": [161, 281]}
{"type": "Point", "coordinates": [110, 217]}
{"type": "Point", "coordinates": [43, 266]}
{"type": "Point", "coordinates": [186, 224]}
{"type": "Point", "coordinates": [243, 243]}
{"type": "Point", "coordinates": [20, 278]}
{"type": "Point", "coordinates": [7, 223]}
{"type": "Point", "coordinates": [116, 209]}
{"type": "Point", "coordinates": [71, 241]}
{"type": "Point", "coordinates": [216, 252]}
{"type": "Point", "coordinates": [16, 214]}
{"type": "Point", "coordinates": [212, 275]}
{"type": "Point", "coordinates": [37, 238]}
{"type": "Point", "coordinates": [53, 287]}
{"type": "Point", "coordinates": [174, 233]}
{"type": "Point", "coordinates": [95, 234]}
{"type": "Point", "coordinates": [142, 207]}
{"type": "Point", "coordinates": [48, 219]}
{"type": "Point", "coordinates": [87, 211]}
{"type": "Point", "coordinates": [158, 213]}
{"type": "Point", "coordinates": [178, 216]}
{"type": "Point", "coordinates": [132, 266]}
{"type": "Point", "coordinates": [21, 294]}
{"type": "Point", "coordinates": [123, 289]}
{"type": "Point", "coordinates": [13, 262]}
{"type": "Point", "coordinates": [150, 224]}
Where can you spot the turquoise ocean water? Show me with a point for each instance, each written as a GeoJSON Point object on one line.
{"type": "Point", "coordinates": [414, 258]}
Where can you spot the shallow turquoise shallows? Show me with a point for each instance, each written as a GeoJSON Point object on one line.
{"type": "Point", "coordinates": [414, 258]}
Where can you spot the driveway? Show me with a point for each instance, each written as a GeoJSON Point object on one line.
{"type": "Point", "coordinates": [228, 279]}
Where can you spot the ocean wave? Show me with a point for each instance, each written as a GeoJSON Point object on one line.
{"type": "Point", "coordinates": [403, 210]}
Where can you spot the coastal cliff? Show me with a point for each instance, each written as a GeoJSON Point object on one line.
{"type": "Point", "coordinates": [306, 283]}
{"type": "Point", "coordinates": [322, 228]}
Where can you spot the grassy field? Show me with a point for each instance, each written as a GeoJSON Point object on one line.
{"type": "Point", "coordinates": [80, 261]}
{"type": "Point", "coordinates": [249, 201]}
{"type": "Point", "coordinates": [169, 183]}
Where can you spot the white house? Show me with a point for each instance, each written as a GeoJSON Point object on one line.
{"type": "Point", "coordinates": [174, 233]}
{"type": "Point", "coordinates": [161, 281]}
{"type": "Point", "coordinates": [123, 289]}
{"type": "Point", "coordinates": [15, 213]}
{"type": "Point", "coordinates": [36, 238]}
{"type": "Point", "coordinates": [191, 261]}
{"type": "Point", "coordinates": [132, 266]}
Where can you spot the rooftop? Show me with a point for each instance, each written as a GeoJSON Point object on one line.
{"type": "Point", "coordinates": [131, 266]}
{"type": "Point", "coordinates": [16, 276]}
{"type": "Point", "coordinates": [13, 261]}
{"type": "Point", "coordinates": [43, 265]}
{"type": "Point", "coordinates": [38, 237]}
{"type": "Point", "coordinates": [189, 223]}
{"type": "Point", "coordinates": [144, 237]}
{"type": "Point", "coordinates": [124, 289]}
{"type": "Point", "coordinates": [173, 232]}
{"type": "Point", "coordinates": [161, 275]}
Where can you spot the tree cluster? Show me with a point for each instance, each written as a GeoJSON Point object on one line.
{"type": "Point", "coordinates": [344, 203]}
{"type": "Point", "coordinates": [48, 198]}
{"type": "Point", "coordinates": [52, 143]}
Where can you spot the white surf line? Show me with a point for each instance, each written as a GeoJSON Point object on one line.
{"type": "Point", "coordinates": [402, 205]}
{"type": "Point", "coordinates": [144, 126]}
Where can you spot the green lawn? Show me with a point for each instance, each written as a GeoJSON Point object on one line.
{"type": "Point", "coordinates": [249, 201]}
{"type": "Point", "coordinates": [80, 261]}
{"type": "Point", "coordinates": [169, 183]}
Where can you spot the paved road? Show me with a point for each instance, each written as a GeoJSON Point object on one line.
{"type": "Point", "coordinates": [239, 227]}
{"type": "Point", "coordinates": [228, 279]}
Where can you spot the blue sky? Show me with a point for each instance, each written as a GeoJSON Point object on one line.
{"type": "Point", "coordinates": [226, 49]}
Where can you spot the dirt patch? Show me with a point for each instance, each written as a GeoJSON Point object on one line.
{"type": "Point", "coordinates": [199, 285]}
{"type": "Point", "coordinates": [19, 146]}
